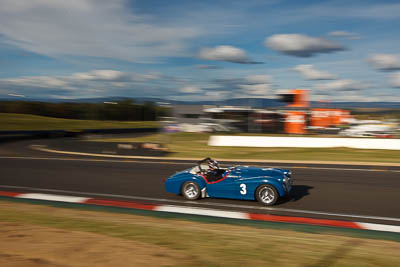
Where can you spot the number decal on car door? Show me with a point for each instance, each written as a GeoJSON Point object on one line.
{"type": "Point", "coordinates": [243, 191]}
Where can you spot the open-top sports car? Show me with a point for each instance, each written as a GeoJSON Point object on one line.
{"type": "Point", "coordinates": [207, 179]}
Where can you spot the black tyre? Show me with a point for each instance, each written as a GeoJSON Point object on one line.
{"type": "Point", "coordinates": [267, 195]}
{"type": "Point", "coordinates": [190, 190]}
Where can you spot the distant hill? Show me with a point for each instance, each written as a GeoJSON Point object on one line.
{"type": "Point", "coordinates": [253, 102]}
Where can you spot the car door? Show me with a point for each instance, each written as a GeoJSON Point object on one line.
{"type": "Point", "coordinates": [243, 188]}
{"type": "Point", "coordinates": [224, 188]}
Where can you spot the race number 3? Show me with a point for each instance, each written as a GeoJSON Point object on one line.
{"type": "Point", "coordinates": [243, 187]}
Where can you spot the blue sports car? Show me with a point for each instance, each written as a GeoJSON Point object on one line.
{"type": "Point", "coordinates": [207, 179]}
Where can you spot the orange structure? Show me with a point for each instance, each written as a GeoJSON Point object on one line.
{"type": "Point", "coordinates": [299, 113]}
{"type": "Point", "coordinates": [295, 118]}
{"type": "Point", "coordinates": [295, 122]}
{"type": "Point", "coordinates": [300, 98]}
{"type": "Point", "coordinates": [325, 117]}
{"type": "Point", "coordinates": [321, 117]}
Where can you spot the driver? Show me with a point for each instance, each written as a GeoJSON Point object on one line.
{"type": "Point", "coordinates": [213, 168]}
{"type": "Point", "coordinates": [213, 165]}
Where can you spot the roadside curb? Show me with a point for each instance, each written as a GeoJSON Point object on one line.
{"type": "Point", "coordinates": [361, 163]}
{"type": "Point", "coordinates": [184, 210]}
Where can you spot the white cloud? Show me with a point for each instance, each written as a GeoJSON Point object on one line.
{"type": "Point", "coordinates": [258, 79]}
{"type": "Point", "coordinates": [105, 75]}
{"type": "Point", "coordinates": [143, 77]}
{"type": "Point", "coordinates": [340, 85]}
{"type": "Point", "coordinates": [310, 73]}
{"type": "Point", "coordinates": [395, 79]}
{"type": "Point", "coordinates": [259, 85]}
{"type": "Point", "coordinates": [384, 96]}
{"type": "Point", "coordinates": [216, 95]}
{"type": "Point", "coordinates": [80, 84]}
{"type": "Point", "coordinates": [257, 89]}
{"type": "Point", "coordinates": [204, 95]}
{"type": "Point", "coordinates": [190, 89]}
{"type": "Point", "coordinates": [113, 75]}
{"type": "Point", "coordinates": [345, 34]}
{"type": "Point", "coordinates": [94, 28]}
{"type": "Point", "coordinates": [301, 45]}
{"type": "Point", "coordinates": [385, 62]}
{"type": "Point", "coordinates": [38, 81]}
{"type": "Point", "coordinates": [225, 53]}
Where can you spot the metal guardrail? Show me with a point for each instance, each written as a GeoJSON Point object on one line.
{"type": "Point", "coordinates": [6, 136]}
{"type": "Point", "coordinates": [112, 130]}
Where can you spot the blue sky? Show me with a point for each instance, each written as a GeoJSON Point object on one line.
{"type": "Point", "coordinates": [197, 50]}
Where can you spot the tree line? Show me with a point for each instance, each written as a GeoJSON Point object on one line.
{"type": "Point", "coordinates": [126, 110]}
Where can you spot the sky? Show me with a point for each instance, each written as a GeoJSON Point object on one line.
{"type": "Point", "coordinates": [200, 50]}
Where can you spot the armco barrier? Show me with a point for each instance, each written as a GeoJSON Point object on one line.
{"type": "Point", "coordinates": [8, 136]}
{"type": "Point", "coordinates": [83, 131]}
{"type": "Point", "coordinates": [310, 142]}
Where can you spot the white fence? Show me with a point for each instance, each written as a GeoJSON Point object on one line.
{"type": "Point", "coordinates": [316, 142]}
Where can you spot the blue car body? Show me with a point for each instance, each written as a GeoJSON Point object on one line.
{"type": "Point", "coordinates": [239, 182]}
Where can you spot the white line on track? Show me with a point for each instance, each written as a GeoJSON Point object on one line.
{"type": "Point", "coordinates": [225, 205]}
{"type": "Point", "coordinates": [49, 197]}
{"type": "Point", "coordinates": [380, 227]}
{"type": "Point", "coordinates": [188, 163]}
{"type": "Point", "coordinates": [44, 149]}
{"type": "Point", "coordinates": [202, 211]}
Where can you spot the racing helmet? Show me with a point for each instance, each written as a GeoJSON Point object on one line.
{"type": "Point", "coordinates": [213, 164]}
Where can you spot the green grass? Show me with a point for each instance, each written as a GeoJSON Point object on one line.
{"type": "Point", "coordinates": [11, 122]}
{"type": "Point", "coordinates": [194, 145]}
{"type": "Point", "coordinates": [204, 244]}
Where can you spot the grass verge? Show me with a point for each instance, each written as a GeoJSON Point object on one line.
{"type": "Point", "coordinates": [194, 145]}
{"type": "Point", "coordinates": [204, 244]}
{"type": "Point", "coordinates": [15, 122]}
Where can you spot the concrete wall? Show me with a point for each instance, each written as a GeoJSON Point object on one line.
{"type": "Point", "coordinates": [262, 141]}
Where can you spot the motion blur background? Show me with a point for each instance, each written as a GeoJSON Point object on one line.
{"type": "Point", "coordinates": [214, 66]}
{"type": "Point", "coordinates": [107, 98]}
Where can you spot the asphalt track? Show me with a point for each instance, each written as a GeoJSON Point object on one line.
{"type": "Point", "coordinates": [365, 193]}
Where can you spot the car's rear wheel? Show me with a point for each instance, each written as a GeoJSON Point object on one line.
{"type": "Point", "coordinates": [267, 195]}
{"type": "Point", "coordinates": [190, 190]}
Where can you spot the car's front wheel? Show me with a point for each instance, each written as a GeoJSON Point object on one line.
{"type": "Point", "coordinates": [190, 190]}
{"type": "Point", "coordinates": [267, 195]}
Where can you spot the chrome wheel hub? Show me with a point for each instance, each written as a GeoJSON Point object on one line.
{"type": "Point", "coordinates": [191, 191]}
{"type": "Point", "coordinates": [267, 195]}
